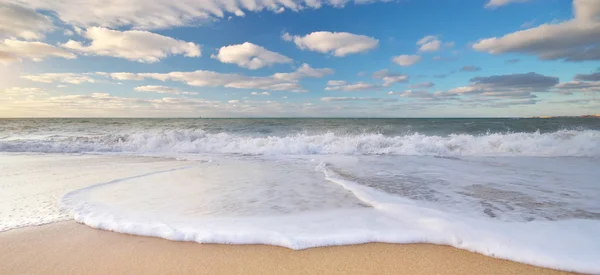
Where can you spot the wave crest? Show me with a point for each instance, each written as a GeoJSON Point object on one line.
{"type": "Point", "coordinates": [583, 143]}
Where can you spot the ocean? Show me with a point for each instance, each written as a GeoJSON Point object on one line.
{"type": "Point", "coordinates": [524, 189]}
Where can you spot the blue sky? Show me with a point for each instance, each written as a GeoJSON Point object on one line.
{"type": "Point", "coordinates": [484, 58]}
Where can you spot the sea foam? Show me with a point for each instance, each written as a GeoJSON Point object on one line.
{"type": "Point", "coordinates": [311, 207]}
{"type": "Point", "coordinates": [582, 143]}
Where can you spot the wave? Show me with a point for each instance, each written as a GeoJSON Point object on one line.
{"type": "Point", "coordinates": [581, 143]}
{"type": "Point", "coordinates": [566, 244]}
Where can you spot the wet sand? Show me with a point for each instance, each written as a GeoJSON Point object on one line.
{"type": "Point", "coordinates": [72, 248]}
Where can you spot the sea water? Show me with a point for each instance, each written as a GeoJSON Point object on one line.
{"type": "Point", "coordinates": [520, 189]}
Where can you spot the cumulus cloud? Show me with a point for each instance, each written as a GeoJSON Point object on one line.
{"type": "Point", "coordinates": [338, 85]}
{"type": "Point", "coordinates": [575, 40]}
{"type": "Point", "coordinates": [500, 88]}
{"type": "Point", "coordinates": [161, 90]}
{"type": "Point", "coordinates": [249, 56]}
{"type": "Point", "coordinates": [470, 69]}
{"type": "Point", "coordinates": [17, 21]}
{"type": "Point", "coordinates": [389, 78]}
{"type": "Point", "coordinates": [588, 77]}
{"type": "Point", "coordinates": [158, 14]}
{"type": "Point", "coordinates": [70, 78]}
{"type": "Point", "coordinates": [429, 43]}
{"type": "Point", "coordinates": [135, 45]}
{"type": "Point", "coordinates": [406, 60]}
{"type": "Point", "coordinates": [261, 93]}
{"type": "Point", "coordinates": [531, 81]}
{"type": "Point", "coordinates": [425, 95]}
{"type": "Point", "coordinates": [578, 87]}
{"type": "Point", "coordinates": [15, 50]}
{"type": "Point", "coordinates": [372, 99]}
{"type": "Point", "coordinates": [422, 85]}
{"type": "Point", "coordinates": [498, 3]}
{"type": "Point", "coordinates": [22, 91]}
{"type": "Point", "coordinates": [123, 76]}
{"type": "Point", "coordinates": [336, 43]}
{"type": "Point", "coordinates": [203, 78]}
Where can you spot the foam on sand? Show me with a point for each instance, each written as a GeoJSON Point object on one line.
{"type": "Point", "coordinates": [289, 203]}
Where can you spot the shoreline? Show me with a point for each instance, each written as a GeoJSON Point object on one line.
{"type": "Point", "coordinates": [72, 248]}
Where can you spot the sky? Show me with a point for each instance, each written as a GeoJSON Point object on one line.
{"type": "Point", "coordinates": [299, 58]}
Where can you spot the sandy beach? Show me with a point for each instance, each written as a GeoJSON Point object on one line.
{"type": "Point", "coordinates": [72, 248]}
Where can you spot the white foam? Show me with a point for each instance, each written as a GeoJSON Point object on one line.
{"type": "Point", "coordinates": [32, 185]}
{"type": "Point", "coordinates": [171, 205]}
{"type": "Point", "coordinates": [561, 143]}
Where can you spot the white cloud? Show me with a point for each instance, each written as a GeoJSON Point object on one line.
{"type": "Point", "coordinates": [16, 50]}
{"type": "Point", "coordinates": [21, 91]}
{"type": "Point", "coordinates": [406, 60]}
{"type": "Point", "coordinates": [263, 93]}
{"type": "Point", "coordinates": [162, 90]}
{"type": "Point", "coordinates": [373, 99]}
{"type": "Point", "coordinates": [429, 44]}
{"type": "Point", "coordinates": [336, 43]}
{"type": "Point", "coordinates": [389, 78]}
{"type": "Point", "coordinates": [70, 78]}
{"type": "Point", "coordinates": [422, 85]}
{"type": "Point", "coordinates": [353, 87]}
{"type": "Point", "coordinates": [424, 95]}
{"type": "Point", "coordinates": [141, 46]}
{"type": "Point", "coordinates": [202, 78]}
{"type": "Point", "coordinates": [158, 14]}
{"type": "Point", "coordinates": [20, 22]}
{"type": "Point", "coordinates": [250, 56]}
{"type": "Point", "coordinates": [124, 76]}
{"type": "Point", "coordinates": [498, 3]}
{"type": "Point", "coordinates": [470, 68]}
{"type": "Point", "coordinates": [578, 87]}
{"type": "Point", "coordinates": [575, 40]}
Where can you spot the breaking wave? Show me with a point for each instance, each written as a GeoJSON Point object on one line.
{"type": "Point", "coordinates": [581, 143]}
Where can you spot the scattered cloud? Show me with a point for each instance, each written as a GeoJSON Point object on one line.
{"type": "Point", "coordinates": [17, 21]}
{"type": "Point", "coordinates": [429, 43]}
{"type": "Point", "coordinates": [70, 78]}
{"type": "Point", "coordinates": [588, 77]}
{"type": "Point", "coordinates": [422, 85]}
{"type": "Point", "coordinates": [574, 40]}
{"type": "Point", "coordinates": [261, 93]}
{"type": "Point", "coordinates": [578, 87]}
{"type": "Point", "coordinates": [123, 76]}
{"type": "Point", "coordinates": [162, 14]}
{"type": "Point", "coordinates": [498, 3]}
{"type": "Point", "coordinates": [372, 99]}
{"type": "Point", "coordinates": [249, 56]}
{"type": "Point", "coordinates": [406, 60]}
{"type": "Point", "coordinates": [528, 24]}
{"type": "Point", "coordinates": [203, 78]}
{"type": "Point", "coordinates": [505, 87]}
{"type": "Point", "coordinates": [390, 78]}
{"type": "Point", "coordinates": [15, 50]}
{"type": "Point", "coordinates": [425, 95]}
{"type": "Point", "coordinates": [338, 85]}
{"type": "Point", "coordinates": [336, 43]}
{"type": "Point", "coordinates": [134, 45]}
{"type": "Point", "coordinates": [470, 69]}
{"type": "Point", "coordinates": [162, 90]}
{"type": "Point", "coordinates": [22, 91]}
{"type": "Point", "coordinates": [513, 61]}
{"type": "Point", "coordinates": [519, 81]}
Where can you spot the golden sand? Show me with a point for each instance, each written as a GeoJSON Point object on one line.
{"type": "Point", "coordinates": [72, 248]}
